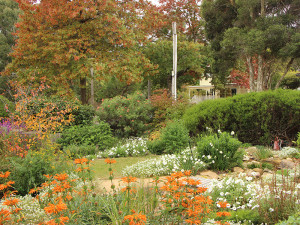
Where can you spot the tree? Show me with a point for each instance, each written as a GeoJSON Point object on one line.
{"type": "Point", "coordinates": [219, 15]}
{"type": "Point", "coordinates": [191, 62]}
{"type": "Point", "coordinates": [60, 40]}
{"type": "Point", "coordinates": [262, 31]}
{"type": "Point", "coordinates": [8, 17]}
{"type": "Point", "coordinates": [186, 13]}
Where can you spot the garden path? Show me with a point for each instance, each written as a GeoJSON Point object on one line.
{"type": "Point", "coordinates": [104, 185]}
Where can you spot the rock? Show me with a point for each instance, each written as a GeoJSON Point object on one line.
{"type": "Point", "coordinates": [238, 170]}
{"type": "Point", "coordinates": [275, 156]}
{"type": "Point", "coordinates": [259, 170]}
{"type": "Point", "coordinates": [246, 158]}
{"type": "Point", "coordinates": [275, 162]}
{"type": "Point", "coordinates": [252, 173]}
{"type": "Point", "coordinates": [287, 164]}
{"type": "Point", "coordinates": [209, 174]}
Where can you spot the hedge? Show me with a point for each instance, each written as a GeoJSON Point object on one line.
{"type": "Point", "coordinates": [256, 118]}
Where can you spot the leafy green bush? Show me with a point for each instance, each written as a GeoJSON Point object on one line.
{"type": "Point", "coordinates": [221, 151]}
{"type": "Point", "coordinates": [256, 118]}
{"type": "Point", "coordinates": [6, 106]}
{"type": "Point", "coordinates": [298, 140]}
{"type": "Point", "coordinates": [127, 116]}
{"type": "Point", "coordinates": [246, 215]}
{"type": "Point", "coordinates": [28, 172]}
{"type": "Point", "coordinates": [97, 135]}
{"type": "Point", "coordinates": [78, 151]}
{"type": "Point", "coordinates": [173, 139]}
{"type": "Point", "coordinates": [83, 114]}
{"type": "Point", "coordinates": [292, 220]}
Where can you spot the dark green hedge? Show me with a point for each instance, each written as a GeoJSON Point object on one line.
{"type": "Point", "coordinates": [256, 118]}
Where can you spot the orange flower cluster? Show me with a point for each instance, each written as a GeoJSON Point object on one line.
{"type": "Point", "coordinates": [55, 209]}
{"type": "Point", "coordinates": [135, 219]}
{"type": "Point", "coordinates": [182, 197]}
{"type": "Point", "coordinates": [81, 161]}
{"type": "Point", "coordinates": [59, 221]}
{"type": "Point", "coordinates": [129, 179]}
{"type": "Point", "coordinates": [4, 216]}
{"type": "Point", "coordinates": [110, 161]}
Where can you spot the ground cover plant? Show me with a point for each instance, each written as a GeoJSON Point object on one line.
{"type": "Point", "coordinates": [129, 147]}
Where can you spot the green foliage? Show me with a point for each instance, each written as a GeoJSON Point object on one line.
{"type": "Point", "coordinates": [245, 215]}
{"type": "Point", "coordinates": [298, 140]}
{"type": "Point", "coordinates": [262, 152]}
{"type": "Point", "coordinates": [127, 116]}
{"type": "Point", "coordinates": [256, 118]}
{"type": "Point", "coordinates": [78, 151]}
{"type": "Point", "coordinates": [28, 172]}
{"type": "Point", "coordinates": [6, 107]}
{"type": "Point", "coordinates": [174, 138]}
{"type": "Point", "coordinates": [8, 17]}
{"type": "Point", "coordinates": [83, 114]}
{"type": "Point", "coordinates": [221, 151]}
{"type": "Point", "coordinates": [266, 165]}
{"type": "Point", "coordinates": [97, 135]}
{"type": "Point", "coordinates": [291, 82]}
{"type": "Point", "coordinates": [292, 220]}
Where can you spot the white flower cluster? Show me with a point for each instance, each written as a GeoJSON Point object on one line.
{"type": "Point", "coordinates": [132, 147]}
{"type": "Point", "coordinates": [164, 165]}
{"type": "Point", "coordinates": [239, 192]}
{"type": "Point", "coordinates": [288, 152]}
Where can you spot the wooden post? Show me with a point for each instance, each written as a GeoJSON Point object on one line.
{"type": "Point", "coordinates": [174, 72]}
{"type": "Point", "coordinates": [92, 87]}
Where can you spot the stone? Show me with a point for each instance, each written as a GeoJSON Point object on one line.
{"type": "Point", "coordinates": [287, 164]}
{"type": "Point", "coordinates": [252, 173]}
{"type": "Point", "coordinates": [238, 170]}
{"type": "Point", "coordinates": [259, 170]}
{"type": "Point", "coordinates": [209, 174]}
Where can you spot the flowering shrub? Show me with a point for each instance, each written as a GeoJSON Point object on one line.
{"type": "Point", "coordinates": [287, 152]}
{"type": "Point", "coordinates": [6, 107]}
{"type": "Point", "coordinates": [165, 165]}
{"type": "Point", "coordinates": [127, 116]}
{"type": "Point", "coordinates": [166, 108]}
{"type": "Point", "coordinates": [220, 151]}
{"type": "Point", "coordinates": [132, 147]}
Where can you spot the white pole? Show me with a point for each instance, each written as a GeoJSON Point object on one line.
{"type": "Point", "coordinates": [92, 87]}
{"type": "Point", "coordinates": [174, 72]}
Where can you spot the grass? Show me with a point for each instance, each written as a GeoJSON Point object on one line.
{"type": "Point", "coordinates": [100, 168]}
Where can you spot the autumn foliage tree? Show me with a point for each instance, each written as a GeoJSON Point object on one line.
{"type": "Point", "coordinates": [61, 40]}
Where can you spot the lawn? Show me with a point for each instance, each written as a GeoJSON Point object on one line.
{"type": "Point", "coordinates": [100, 168]}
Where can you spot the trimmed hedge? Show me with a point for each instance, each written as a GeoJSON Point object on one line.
{"type": "Point", "coordinates": [256, 118]}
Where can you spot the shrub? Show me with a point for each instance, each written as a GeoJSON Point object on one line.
{"type": "Point", "coordinates": [166, 108]}
{"type": "Point", "coordinates": [83, 114]}
{"type": "Point", "coordinates": [78, 151]}
{"type": "Point", "coordinates": [256, 118]}
{"type": "Point", "coordinates": [127, 116]}
{"type": "Point", "coordinates": [6, 107]}
{"type": "Point", "coordinates": [221, 151]}
{"type": "Point", "coordinates": [98, 135]}
{"type": "Point", "coordinates": [28, 172]}
{"type": "Point", "coordinates": [173, 139]}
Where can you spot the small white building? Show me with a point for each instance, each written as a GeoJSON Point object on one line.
{"type": "Point", "coordinates": [206, 90]}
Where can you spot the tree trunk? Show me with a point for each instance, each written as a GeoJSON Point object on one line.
{"type": "Point", "coordinates": [149, 89]}
{"type": "Point", "coordinates": [262, 8]}
{"type": "Point", "coordinates": [260, 75]}
{"type": "Point", "coordinates": [83, 91]}
{"type": "Point", "coordinates": [285, 72]}
{"type": "Point", "coordinates": [251, 72]}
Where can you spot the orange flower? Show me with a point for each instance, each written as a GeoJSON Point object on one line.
{"type": "Point", "coordinates": [129, 179]}
{"type": "Point", "coordinates": [187, 172]}
{"type": "Point", "coordinates": [51, 208]}
{"type": "Point", "coordinates": [81, 161]}
{"type": "Point", "coordinates": [6, 185]}
{"type": "Point", "coordinates": [59, 221]}
{"type": "Point", "coordinates": [4, 175]}
{"type": "Point", "coordinates": [223, 204]}
{"type": "Point", "coordinates": [11, 202]}
{"type": "Point", "coordinates": [135, 219]}
{"type": "Point", "coordinates": [220, 214]}
{"type": "Point", "coordinates": [4, 215]}
{"type": "Point", "coordinates": [61, 177]}
{"type": "Point", "coordinates": [110, 161]}
{"type": "Point", "coordinates": [177, 174]}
